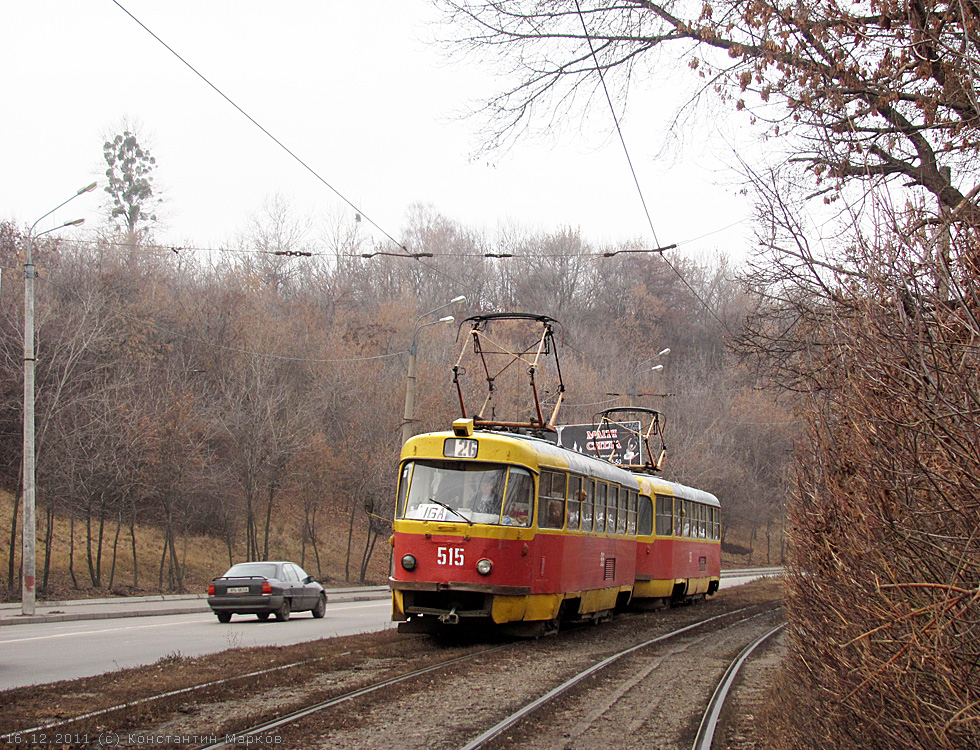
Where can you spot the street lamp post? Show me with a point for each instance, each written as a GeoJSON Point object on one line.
{"type": "Point", "coordinates": [28, 575]}
{"type": "Point", "coordinates": [409, 414]}
{"type": "Point", "coordinates": [642, 368]}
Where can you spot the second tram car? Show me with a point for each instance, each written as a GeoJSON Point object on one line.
{"type": "Point", "coordinates": [503, 529]}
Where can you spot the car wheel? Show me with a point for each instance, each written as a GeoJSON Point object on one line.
{"type": "Point", "coordinates": [263, 615]}
{"type": "Point", "coordinates": [223, 616]}
{"type": "Point", "coordinates": [282, 614]}
{"type": "Point", "coordinates": [321, 606]}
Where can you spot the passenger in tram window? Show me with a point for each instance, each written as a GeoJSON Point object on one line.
{"type": "Point", "coordinates": [600, 507]}
{"type": "Point", "coordinates": [517, 514]}
{"type": "Point", "coordinates": [556, 513]}
{"type": "Point", "coordinates": [622, 504]}
{"type": "Point", "coordinates": [588, 504]}
{"type": "Point", "coordinates": [575, 499]}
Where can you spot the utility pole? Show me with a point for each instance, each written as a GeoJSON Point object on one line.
{"type": "Point", "coordinates": [28, 561]}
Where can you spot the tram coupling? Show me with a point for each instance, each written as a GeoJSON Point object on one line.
{"type": "Point", "coordinates": [450, 617]}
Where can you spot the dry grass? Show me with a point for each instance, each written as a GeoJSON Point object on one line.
{"type": "Point", "coordinates": [203, 557]}
{"type": "Point", "coordinates": [741, 551]}
{"type": "Point", "coordinates": [251, 669]}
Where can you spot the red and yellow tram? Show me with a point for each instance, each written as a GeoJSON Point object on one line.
{"type": "Point", "coordinates": [495, 528]}
{"type": "Point", "coordinates": [678, 556]}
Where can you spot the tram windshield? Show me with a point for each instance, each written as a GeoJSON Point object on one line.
{"type": "Point", "coordinates": [465, 492]}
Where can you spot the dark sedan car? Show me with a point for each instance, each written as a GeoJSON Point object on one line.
{"type": "Point", "coordinates": [264, 589]}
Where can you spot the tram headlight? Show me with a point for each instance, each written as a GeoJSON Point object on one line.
{"type": "Point", "coordinates": [484, 566]}
{"type": "Point", "coordinates": [409, 562]}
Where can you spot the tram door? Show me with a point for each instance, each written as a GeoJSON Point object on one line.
{"type": "Point", "coordinates": [552, 512]}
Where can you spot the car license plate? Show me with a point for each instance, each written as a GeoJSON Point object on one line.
{"type": "Point", "coordinates": [237, 589]}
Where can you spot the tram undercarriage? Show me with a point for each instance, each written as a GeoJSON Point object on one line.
{"type": "Point", "coordinates": [524, 615]}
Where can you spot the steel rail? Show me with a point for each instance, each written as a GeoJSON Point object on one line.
{"type": "Point", "coordinates": [709, 722]}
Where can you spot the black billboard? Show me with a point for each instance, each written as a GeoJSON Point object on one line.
{"type": "Point", "coordinates": [619, 443]}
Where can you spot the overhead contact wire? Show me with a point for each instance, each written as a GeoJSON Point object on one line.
{"type": "Point", "coordinates": [629, 160]}
{"type": "Point", "coordinates": [612, 111]}
{"type": "Point", "coordinates": [256, 123]}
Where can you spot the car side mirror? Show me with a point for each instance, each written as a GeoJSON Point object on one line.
{"type": "Point", "coordinates": [309, 579]}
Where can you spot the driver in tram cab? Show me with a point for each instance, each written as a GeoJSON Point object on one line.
{"type": "Point", "coordinates": [487, 500]}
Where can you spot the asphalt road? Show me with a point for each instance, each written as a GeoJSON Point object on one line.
{"type": "Point", "coordinates": [32, 653]}
{"type": "Point", "coordinates": [67, 640]}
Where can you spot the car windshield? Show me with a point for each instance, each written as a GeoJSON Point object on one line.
{"type": "Point", "coordinates": [242, 570]}
{"type": "Point", "coordinates": [460, 491]}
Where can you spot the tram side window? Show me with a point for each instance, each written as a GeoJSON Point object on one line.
{"type": "Point", "coordinates": [703, 522]}
{"type": "Point", "coordinates": [645, 516]}
{"type": "Point", "coordinates": [631, 514]}
{"type": "Point", "coordinates": [612, 509]}
{"type": "Point", "coordinates": [678, 517]}
{"type": "Point", "coordinates": [600, 507]}
{"type": "Point", "coordinates": [687, 519]}
{"type": "Point", "coordinates": [621, 503]}
{"type": "Point", "coordinates": [588, 503]}
{"type": "Point", "coordinates": [575, 495]}
{"type": "Point", "coordinates": [665, 515]}
{"type": "Point", "coordinates": [517, 501]}
{"type": "Point", "coordinates": [611, 512]}
{"type": "Point", "coordinates": [551, 500]}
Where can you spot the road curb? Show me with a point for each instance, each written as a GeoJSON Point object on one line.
{"type": "Point", "coordinates": [69, 617]}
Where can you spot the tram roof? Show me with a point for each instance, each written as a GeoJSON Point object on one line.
{"type": "Point", "coordinates": [661, 486]}
{"type": "Point", "coordinates": [549, 455]}
{"type": "Point", "coordinates": [592, 467]}
{"type": "Point", "coordinates": [580, 463]}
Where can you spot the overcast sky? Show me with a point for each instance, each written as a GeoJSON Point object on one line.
{"type": "Point", "coordinates": [355, 89]}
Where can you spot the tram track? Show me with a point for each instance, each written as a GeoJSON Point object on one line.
{"type": "Point", "coordinates": [712, 714]}
{"type": "Point", "coordinates": [485, 738]}
{"type": "Point", "coordinates": [603, 707]}
{"type": "Point", "coordinates": [309, 728]}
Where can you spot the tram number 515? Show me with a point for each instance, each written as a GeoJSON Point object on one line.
{"type": "Point", "coordinates": [449, 555]}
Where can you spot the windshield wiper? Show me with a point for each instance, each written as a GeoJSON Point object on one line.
{"type": "Point", "coordinates": [451, 510]}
